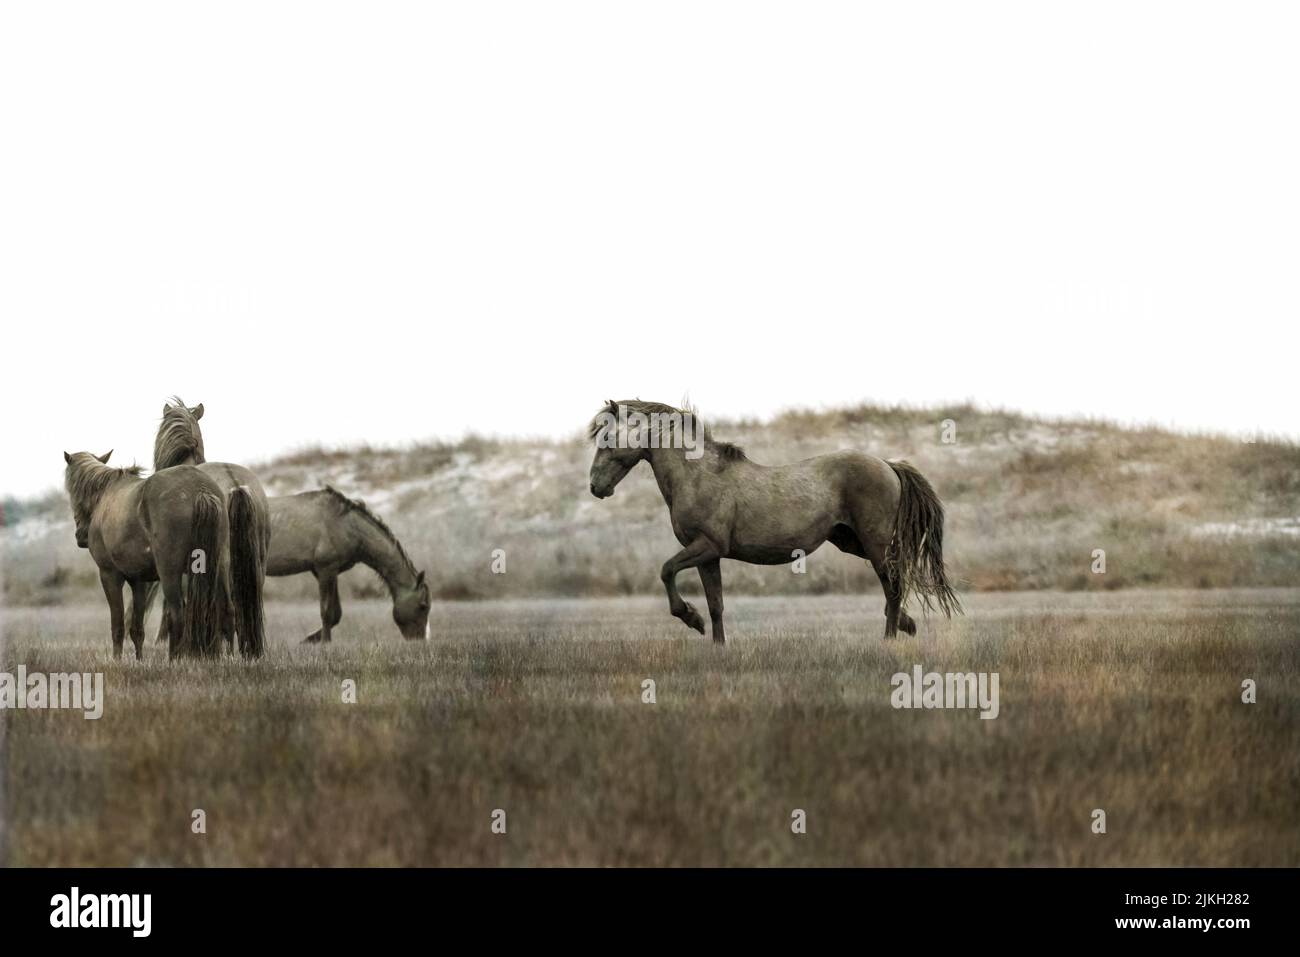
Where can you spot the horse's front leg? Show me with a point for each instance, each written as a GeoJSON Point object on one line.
{"type": "Point", "coordinates": [696, 553]}
{"type": "Point", "coordinates": [711, 578]}
{"type": "Point", "coordinates": [112, 583]}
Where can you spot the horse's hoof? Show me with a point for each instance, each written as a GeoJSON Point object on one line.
{"type": "Point", "coordinates": [692, 618]}
{"type": "Point", "coordinates": [312, 639]}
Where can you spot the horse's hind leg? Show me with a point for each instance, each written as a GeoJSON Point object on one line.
{"type": "Point", "coordinates": [331, 609]}
{"type": "Point", "coordinates": [711, 578]}
{"type": "Point", "coordinates": [139, 604]}
{"type": "Point", "coordinates": [895, 617]}
{"type": "Point", "coordinates": [315, 636]}
{"type": "Point", "coordinates": [847, 540]}
{"type": "Point", "coordinates": [173, 615]}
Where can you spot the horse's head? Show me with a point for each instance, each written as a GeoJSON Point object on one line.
{"type": "Point", "coordinates": [620, 446]}
{"type": "Point", "coordinates": [78, 464]}
{"type": "Point", "coordinates": [411, 609]}
{"type": "Point", "coordinates": [179, 438]}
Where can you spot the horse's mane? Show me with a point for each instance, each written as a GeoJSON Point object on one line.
{"type": "Point", "coordinates": [346, 505]}
{"type": "Point", "coordinates": [727, 451]}
{"type": "Point", "coordinates": [86, 480]}
{"type": "Point", "coordinates": [179, 438]}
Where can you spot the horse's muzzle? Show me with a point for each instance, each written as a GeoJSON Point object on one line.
{"type": "Point", "coordinates": [601, 492]}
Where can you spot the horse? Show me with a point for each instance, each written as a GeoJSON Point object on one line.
{"type": "Point", "coordinates": [180, 442]}
{"type": "Point", "coordinates": [142, 531]}
{"type": "Point", "coordinates": [325, 532]}
{"type": "Point", "coordinates": [723, 505]}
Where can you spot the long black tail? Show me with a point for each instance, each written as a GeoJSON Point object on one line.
{"type": "Point", "coordinates": [916, 553]}
{"type": "Point", "coordinates": [248, 535]}
{"type": "Point", "coordinates": [204, 603]}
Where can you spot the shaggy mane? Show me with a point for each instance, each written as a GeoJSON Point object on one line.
{"type": "Point", "coordinates": [727, 451]}
{"type": "Point", "coordinates": [87, 480]}
{"type": "Point", "coordinates": [179, 438]}
{"type": "Point", "coordinates": [346, 505]}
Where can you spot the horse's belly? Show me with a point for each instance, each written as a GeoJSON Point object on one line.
{"type": "Point", "coordinates": [134, 561]}
{"type": "Point", "coordinates": [774, 539]}
{"type": "Point", "coordinates": [769, 554]}
{"type": "Point", "coordinates": [279, 565]}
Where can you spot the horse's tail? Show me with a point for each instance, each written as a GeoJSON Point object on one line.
{"type": "Point", "coordinates": [915, 555]}
{"type": "Point", "coordinates": [203, 612]}
{"type": "Point", "coordinates": [248, 537]}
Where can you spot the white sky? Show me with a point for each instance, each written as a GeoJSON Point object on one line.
{"type": "Point", "coordinates": [341, 222]}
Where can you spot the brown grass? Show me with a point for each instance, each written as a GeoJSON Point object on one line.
{"type": "Point", "coordinates": [1127, 701]}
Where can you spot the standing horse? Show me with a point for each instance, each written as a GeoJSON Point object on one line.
{"type": "Point", "coordinates": [722, 505]}
{"type": "Point", "coordinates": [144, 530]}
{"type": "Point", "coordinates": [179, 442]}
{"type": "Point", "coordinates": [326, 533]}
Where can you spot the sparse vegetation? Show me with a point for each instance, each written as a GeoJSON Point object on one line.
{"type": "Point", "coordinates": [1028, 500]}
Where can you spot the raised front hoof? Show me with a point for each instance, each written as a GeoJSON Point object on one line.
{"type": "Point", "coordinates": [906, 625]}
{"type": "Point", "coordinates": [691, 617]}
{"type": "Point", "coordinates": [312, 639]}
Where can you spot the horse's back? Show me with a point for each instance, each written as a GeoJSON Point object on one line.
{"type": "Point", "coordinates": [298, 523]}
{"type": "Point", "coordinates": [846, 472]}
{"type": "Point", "coordinates": [859, 489]}
{"type": "Point", "coordinates": [229, 477]}
{"type": "Point", "coordinates": [857, 470]}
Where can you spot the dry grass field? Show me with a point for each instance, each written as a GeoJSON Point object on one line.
{"type": "Point", "coordinates": [1127, 701]}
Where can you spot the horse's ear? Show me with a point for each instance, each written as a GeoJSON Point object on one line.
{"type": "Point", "coordinates": [197, 411]}
{"type": "Point", "coordinates": [104, 458]}
{"type": "Point", "coordinates": [167, 407]}
{"type": "Point", "coordinates": [67, 458]}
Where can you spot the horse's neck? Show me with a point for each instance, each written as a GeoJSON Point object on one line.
{"type": "Point", "coordinates": [672, 471]}
{"type": "Point", "coordinates": [123, 485]}
{"type": "Point", "coordinates": [376, 550]}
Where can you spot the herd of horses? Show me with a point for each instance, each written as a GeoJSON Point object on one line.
{"type": "Point", "coordinates": [207, 535]}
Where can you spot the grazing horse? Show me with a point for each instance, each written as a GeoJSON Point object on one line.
{"type": "Point", "coordinates": [179, 442]}
{"type": "Point", "coordinates": [722, 505]}
{"type": "Point", "coordinates": [325, 532]}
{"type": "Point", "coordinates": [141, 531]}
